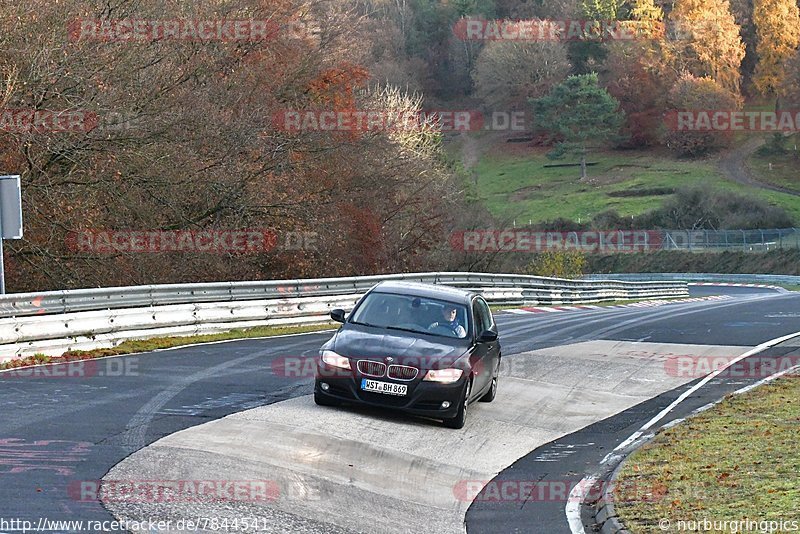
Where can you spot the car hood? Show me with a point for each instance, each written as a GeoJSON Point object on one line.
{"type": "Point", "coordinates": [404, 347]}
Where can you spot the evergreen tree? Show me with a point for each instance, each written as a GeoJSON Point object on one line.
{"type": "Point", "coordinates": [578, 111]}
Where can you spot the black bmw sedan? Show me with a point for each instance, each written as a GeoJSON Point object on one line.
{"type": "Point", "coordinates": [424, 349]}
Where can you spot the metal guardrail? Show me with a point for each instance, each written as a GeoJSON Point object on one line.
{"type": "Point", "coordinates": [23, 304]}
{"type": "Point", "coordinates": [765, 279]}
{"type": "Point", "coordinates": [54, 322]}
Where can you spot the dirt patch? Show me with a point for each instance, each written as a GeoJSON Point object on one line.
{"type": "Point", "coordinates": [515, 144]}
{"type": "Point", "coordinates": [470, 151]}
{"type": "Point", "coordinates": [733, 164]}
{"type": "Point", "coordinates": [644, 192]}
{"type": "Point", "coordinates": [612, 176]}
{"type": "Point", "coordinates": [525, 193]}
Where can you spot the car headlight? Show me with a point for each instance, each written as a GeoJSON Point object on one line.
{"type": "Point", "coordinates": [335, 360]}
{"type": "Point", "coordinates": [444, 376]}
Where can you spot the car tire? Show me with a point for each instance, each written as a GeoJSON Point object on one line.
{"type": "Point", "coordinates": [322, 400]}
{"type": "Point", "coordinates": [458, 421]}
{"type": "Point", "coordinates": [492, 393]}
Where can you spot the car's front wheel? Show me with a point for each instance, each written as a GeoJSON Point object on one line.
{"type": "Point", "coordinates": [461, 416]}
{"type": "Point", "coordinates": [492, 393]}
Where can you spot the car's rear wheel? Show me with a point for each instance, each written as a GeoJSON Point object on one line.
{"type": "Point", "coordinates": [461, 416]}
{"type": "Point", "coordinates": [322, 400]}
{"type": "Point", "coordinates": [492, 393]}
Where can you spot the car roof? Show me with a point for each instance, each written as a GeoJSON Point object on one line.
{"type": "Point", "coordinates": [417, 289]}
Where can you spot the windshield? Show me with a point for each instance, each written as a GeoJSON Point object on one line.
{"type": "Point", "coordinates": [413, 314]}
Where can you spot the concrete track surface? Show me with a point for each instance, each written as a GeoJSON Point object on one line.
{"type": "Point", "coordinates": [409, 475]}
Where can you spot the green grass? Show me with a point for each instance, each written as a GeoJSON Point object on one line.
{"type": "Point", "coordinates": [517, 187]}
{"type": "Point", "coordinates": [785, 170]}
{"type": "Point", "coordinates": [737, 460]}
{"type": "Point", "coordinates": [757, 105]}
{"type": "Point", "coordinates": [147, 345]}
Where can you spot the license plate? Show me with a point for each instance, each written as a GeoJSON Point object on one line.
{"type": "Point", "coordinates": [387, 388]}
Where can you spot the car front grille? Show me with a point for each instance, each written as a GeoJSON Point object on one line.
{"type": "Point", "coordinates": [402, 372]}
{"type": "Point", "coordinates": [371, 368]}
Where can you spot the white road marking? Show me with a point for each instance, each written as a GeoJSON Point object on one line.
{"type": "Point", "coordinates": [573, 510]}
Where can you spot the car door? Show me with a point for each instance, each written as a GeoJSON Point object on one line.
{"type": "Point", "coordinates": [492, 356]}
{"type": "Point", "coordinates": [482, 364]}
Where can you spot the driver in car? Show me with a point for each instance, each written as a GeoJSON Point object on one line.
{"type": "Point", "coordinates": [450, 321]}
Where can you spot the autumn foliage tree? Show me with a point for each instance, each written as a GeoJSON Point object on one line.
{"type": "Point", "coordinates": [187, 139]}
{"type": "Point", "coordinates": [641, 94]}
{"type": "Point", "coordinates": [790, 84]}
{"type": "Point", "coordinates": [636, 74]}
{"type": "Point", "coordinates": [691, 93]}
{"type": "Point", "coordinates": [707, 42]}
{"type": "Point", "coordinates": [778, 36]}
{"type": "Point", "coordinates": [557, 264]}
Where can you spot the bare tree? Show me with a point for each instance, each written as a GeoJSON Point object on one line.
{"type": "Point", "coordinates": [507, 74]}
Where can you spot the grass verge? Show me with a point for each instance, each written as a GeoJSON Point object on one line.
{"type": "Point", "coordinates": [515, 185]}
{"type": "Point", "coordinates": [779, 169]}
{"type": "Point", "coordinates": [147, 345]}
{"type": "Point", "coordinates": [738, 460]}
{"type": "Point", "coordinates": [519, 186]}
{"type": "Point", "coordinates": [778, 261]}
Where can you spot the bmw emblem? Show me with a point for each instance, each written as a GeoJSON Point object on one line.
{"type": "Point", "coordinates": [389, 359]}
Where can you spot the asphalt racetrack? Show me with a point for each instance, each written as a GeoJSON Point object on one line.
{"type": "Point", "coordinates": [574, 385]}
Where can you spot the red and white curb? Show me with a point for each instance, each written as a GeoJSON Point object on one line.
{"type": "Point", "coordinates": [643, 304]}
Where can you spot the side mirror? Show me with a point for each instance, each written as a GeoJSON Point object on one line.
{"type": "Point", "coordinates": [337, 315]}
{"type": "Point", "coordinates": [487, 336]}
